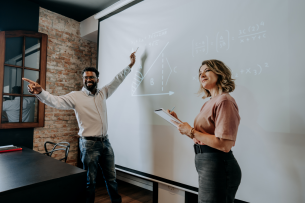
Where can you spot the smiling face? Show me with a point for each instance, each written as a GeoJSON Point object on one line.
{"type": "Point", "coordinates": [90, 80]}
{"type": "Point", "coordinates": [207, 78]}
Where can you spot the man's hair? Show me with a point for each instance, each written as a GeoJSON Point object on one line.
{"type": "Point", "coordinates": [92, 70]}
{"type": "Point", "coordinates": [16, 90]}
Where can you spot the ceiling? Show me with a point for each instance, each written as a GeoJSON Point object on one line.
{"type": "Point", "coordinates": [78, 10]}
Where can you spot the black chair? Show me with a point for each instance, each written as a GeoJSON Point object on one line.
{"type": "Point", "coordinates": [65, 145]}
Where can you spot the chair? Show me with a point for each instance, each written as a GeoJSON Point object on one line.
{"type": "Point", "coordinates": [65, 145]}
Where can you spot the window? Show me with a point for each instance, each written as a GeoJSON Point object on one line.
{"type": "Point", "coordinates": [22, 54]}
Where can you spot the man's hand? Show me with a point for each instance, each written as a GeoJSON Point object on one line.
{"type": "Point", "coordinates": [132, 59]}
{"type": "Point", "coordinates": [33, 87]}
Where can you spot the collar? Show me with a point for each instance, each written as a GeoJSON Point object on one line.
{"type": "Point", "coordinates": [88, 93]}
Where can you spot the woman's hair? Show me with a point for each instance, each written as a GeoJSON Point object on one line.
{"type": "Point", "coordinates": [225, 82]}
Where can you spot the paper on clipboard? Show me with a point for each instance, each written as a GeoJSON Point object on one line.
{"type": "Point", "coordinates": [161, 112]}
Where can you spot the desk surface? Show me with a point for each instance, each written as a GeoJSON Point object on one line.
{"type": "Point", "coordinates": [27, 167]}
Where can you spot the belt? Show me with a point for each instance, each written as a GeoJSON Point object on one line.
{"type": "Point", "coordinates": [101, 139]}
{"type": "Point", "coordinates": [206, 149]}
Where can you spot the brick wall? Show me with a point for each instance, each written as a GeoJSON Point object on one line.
{"type": "Point", "coordinates": [68, 54]}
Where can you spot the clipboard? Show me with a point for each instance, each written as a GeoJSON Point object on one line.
{"type": "Point", "coordinates": [161, 112]}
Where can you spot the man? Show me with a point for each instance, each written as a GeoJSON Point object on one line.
{"type": "Point", "coordinates": [89, 106]}
{"type": "Point", "coordinates": [12, 107]}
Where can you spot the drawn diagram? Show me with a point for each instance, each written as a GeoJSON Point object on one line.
{"type": "Point", "coordinates": [157, 77]}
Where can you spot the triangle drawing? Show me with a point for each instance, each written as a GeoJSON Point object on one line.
{"type": "Point", "coordinates": [153, 79]}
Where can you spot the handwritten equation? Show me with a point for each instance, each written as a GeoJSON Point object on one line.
{"type": "Point", "coordinates": [147, 40]}
{"type": "Point", "coordinates": [253, 32]}
{"type": "Point", "coordinates": [223, 39]}
{"type": "Point", "coordinates": [202, 46]}
{"type": "Point", "coordinates": [154, 43]}
{"type": "Point", "coordinates": [254, 70]}
{"type": "Point", "coordinates": [199, 47]}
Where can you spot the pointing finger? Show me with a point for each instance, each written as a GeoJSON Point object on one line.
{"type": "Point", "coordinates": [29, 81]}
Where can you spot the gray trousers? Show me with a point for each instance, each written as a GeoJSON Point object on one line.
{"type": "Point", "coordinates": [219, 177]}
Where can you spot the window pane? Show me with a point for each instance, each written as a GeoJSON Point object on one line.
{"type": "Point", "coordinates": [10, 109]}
{"type": "Point", "coordinates": [32, 52]}
{"type": "Point", "coordinates": [13, 51]}
{"type": "Point", "coordinates": [32, 75]}
{"type": "Point", "coordinates": [12, 80]}
{"type": "Point", "coordinates": [29, 109]}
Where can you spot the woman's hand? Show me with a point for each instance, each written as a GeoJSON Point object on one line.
{"type": "Point", "coordinates": [172, 113]}
{"type": "Point", "coordinates": [184, 128]}
{"type": "Point", "coordinates": [197, 141]}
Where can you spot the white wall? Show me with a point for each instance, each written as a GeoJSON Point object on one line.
{"type": "Point", "coordinates": [261, 41]}
{"type": "Point", "coordinates": [89, 29]}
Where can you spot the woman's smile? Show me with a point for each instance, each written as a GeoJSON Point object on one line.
{"type": "Point", "coordinates": [203, 80]}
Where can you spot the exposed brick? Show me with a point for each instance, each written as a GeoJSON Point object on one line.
{"type": "Point", "coordinates": [67, 55]}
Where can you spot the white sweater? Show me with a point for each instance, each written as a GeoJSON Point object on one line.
{"type": "Point", "coordinates": [90, 110]}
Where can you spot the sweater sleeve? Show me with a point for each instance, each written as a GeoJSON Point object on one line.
{"type": "Point", "coordinates": [65, 102]}
{"type": "Point", "coordinates": [109, 89]}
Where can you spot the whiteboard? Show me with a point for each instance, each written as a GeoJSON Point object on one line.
{"type": "Point", "coordinates": [263, 44]}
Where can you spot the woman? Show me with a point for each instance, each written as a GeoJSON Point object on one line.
{"type": "Point", "coordinates": [214, 134]}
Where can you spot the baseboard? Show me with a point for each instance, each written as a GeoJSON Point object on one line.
{"type": "Point", "coordinates": [239, 201]}
{"type": "Point", "coordinates": [148, 185]}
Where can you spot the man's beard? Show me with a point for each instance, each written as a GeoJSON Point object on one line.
{"type": "Point", "coordinates": [91, 87]}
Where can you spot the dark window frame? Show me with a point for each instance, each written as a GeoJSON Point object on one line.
{"type": "Point", "coordinates": [42, 75]}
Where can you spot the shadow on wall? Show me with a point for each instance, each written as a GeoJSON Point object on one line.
{"type": "Point", "coordinates": [144, 116]}
{"type": "Point", "coordinates": [155, 141]}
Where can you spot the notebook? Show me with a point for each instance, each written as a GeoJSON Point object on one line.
{"type": "Point", "coordinates": [161, 112]}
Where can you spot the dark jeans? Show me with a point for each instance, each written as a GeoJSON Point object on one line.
{"type": "Point", "coordinates": [219, 177]}
{"type": "Point", "coordinates": [94, 154]}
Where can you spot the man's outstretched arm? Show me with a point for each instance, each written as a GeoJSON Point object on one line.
{"type": "Point", "coordinates": [64, 102]}
{"type": "Point", "coordinates": [118, 79]}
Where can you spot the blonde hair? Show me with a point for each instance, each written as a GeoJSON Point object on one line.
{"type": "Point", "coordinates": [225, 82]}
